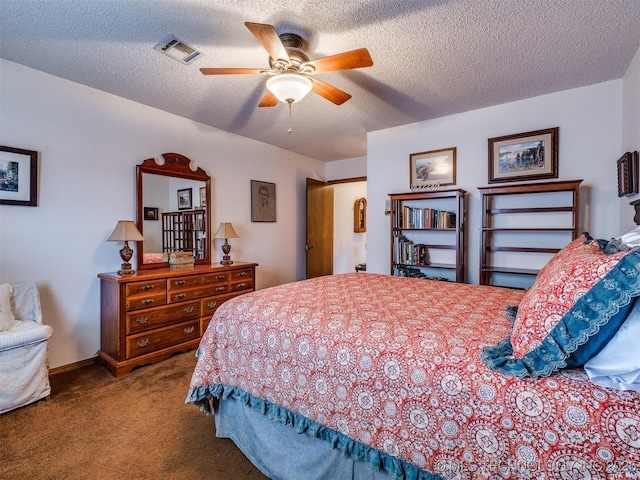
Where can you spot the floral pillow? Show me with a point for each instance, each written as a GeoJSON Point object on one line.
{"type": "Point", "coordinates": [576, 305]}
{"type": "Point", "coordinates": [571, 273]}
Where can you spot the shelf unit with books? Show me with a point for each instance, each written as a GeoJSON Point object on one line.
{"type": "Point", "coordinates": [523, 226]}
{"type": "Point", "coordinates": [428, 234]}
{"type": "Point", "coordinates": [184, 232]}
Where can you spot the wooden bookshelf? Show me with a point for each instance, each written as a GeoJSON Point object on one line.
{"type": "Point", "coordinates": [428, 234]}
{"type": "Point", "coordinates": [528, 222]}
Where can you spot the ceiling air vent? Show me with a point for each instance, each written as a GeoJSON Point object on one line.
{"type": "Point", "coordinates": [178, 50]}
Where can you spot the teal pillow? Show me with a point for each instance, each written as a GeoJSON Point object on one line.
{"type": "Point", "coordinates": [581, 333]}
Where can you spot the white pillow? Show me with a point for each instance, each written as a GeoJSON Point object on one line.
{"type": "Point", "coordinates": [632, 238]}
{"type": "Point", "coordinates": [7, 320]}
{"type": "Point", "coordinates": [617, 365]}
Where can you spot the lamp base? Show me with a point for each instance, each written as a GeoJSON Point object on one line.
{"type": "Point", "coordinates": [125, 269]}
{"type": "Point", "coordinates": [226, 258]}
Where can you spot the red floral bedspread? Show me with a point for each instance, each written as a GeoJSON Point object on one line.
{"type": "Point", "coordinates": [394, 363]}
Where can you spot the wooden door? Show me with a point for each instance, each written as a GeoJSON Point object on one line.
{"type": "Point", "coordinates": [319, 241]}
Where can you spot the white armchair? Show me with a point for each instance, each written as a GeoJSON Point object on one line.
{"type": "Point", "coordinates": [24, 369]}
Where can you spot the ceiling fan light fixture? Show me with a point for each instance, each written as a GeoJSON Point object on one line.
{"type": "Point", "coordinates": [289, 87]}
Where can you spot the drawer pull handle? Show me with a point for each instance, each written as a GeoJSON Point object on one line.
{"type": "Point", "coordinates": [220, 289]}
{"type": "Point", "coordinates": [212, 304]}
{"type": "Point", "coordinates": [188, 309]}
{"type": "Point", "coordinates": [143, 343]}
{"type": "Point", "coordinates": [180, 282]}
{"type": "Point", "coordinates": [147, 287]}
{"type": "Point", "coordinates": [241, 285]}
{"type": "Point", "coordinates": [147, 301]}
{"type": "Point", "coordinates": [220, 277]}
{"type": "Point", "coordinates": [180, 296]}
{"type": "Point", "coordinates": [142, 320]}
{"type": "Point", "coordinates": [242, 274]}
{"type": "Point", "coordinates": [189, 329]}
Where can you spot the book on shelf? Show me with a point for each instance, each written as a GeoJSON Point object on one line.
{"type": "Point", "coordinates": [406, 252]}
{"type": "Point", "coordinates": [416, 217]}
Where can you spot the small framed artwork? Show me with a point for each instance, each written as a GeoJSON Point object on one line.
{"type": "Point", "coordinates": [150, 213]}
{"type": "Point", "coordinates": [263, 201]}
{"type": "Point", "coordinates": [524, 156]}
{"type": "Point", "coordinates": [203, 197]}
{"type": "Point", "coordinates": [18, 176]}
{"type": "Point", "coordinates": [435, 167]}
{"type": "Point", "coordinates": [185, 200]}
{"type": "Point", "coordinates": [628, 174]}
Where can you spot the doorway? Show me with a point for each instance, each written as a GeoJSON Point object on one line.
{"type": "Point", "coordinates": [332, 246]}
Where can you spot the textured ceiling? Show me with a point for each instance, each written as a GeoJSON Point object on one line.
{"type": "Point", "coordinates": [431, 58]}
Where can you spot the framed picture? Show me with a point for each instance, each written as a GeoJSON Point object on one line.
{"type": "Point", "coordinates": [263, 201]}
{"type": "Point", "coordinates": [203, 197]}
{"type": "Point", "coordinates": [628, 174]}
{"type": "Point", "coordinates": [18, 176]}
{"type": "Point", "coordinates": [185, 199]}
{"type": "Point", "coordinates": [524, 156]}
{"type": "Point", "coordinates": [150, 213]}
{"type": "Point", "coordinates": [435, 167]}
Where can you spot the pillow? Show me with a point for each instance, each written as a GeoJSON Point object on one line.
{"type": "Point", "coordinates": [571, 273]}
{"type": "Point", "coordinates": [575, 306]}
{"type": "Point", "coordinates": [631, 238]}
{"type": "Point", "coordinates": [7, 320]}
{"type": "Point", "coordinates": [618, 363]}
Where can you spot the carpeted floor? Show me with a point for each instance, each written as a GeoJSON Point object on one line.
{"type": "Point", "coordinates": [136, 427]}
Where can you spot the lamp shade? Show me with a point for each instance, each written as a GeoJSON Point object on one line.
{"type": "Point", "coordinates": [125, 230]}
{"type": "Point", "coordinates": [225, 230]}
{"type": "Point", "coordinates": [289, 87]}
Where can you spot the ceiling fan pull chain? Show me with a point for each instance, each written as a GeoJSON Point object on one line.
{"type": "Point", "coordinates": [289, 102]}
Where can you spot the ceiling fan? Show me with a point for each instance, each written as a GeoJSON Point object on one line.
{"type": "Point", "coordinates": [291, 73]}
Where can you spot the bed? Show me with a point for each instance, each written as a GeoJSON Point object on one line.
{"type": "Point", "coordinates": [379, 377]}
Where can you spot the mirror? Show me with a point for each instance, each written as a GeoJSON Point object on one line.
{"type": "Point", "coordinates": [173, 211]}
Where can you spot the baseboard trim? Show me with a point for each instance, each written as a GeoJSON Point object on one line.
{"type": "Point", "coordinates": [73, 366]}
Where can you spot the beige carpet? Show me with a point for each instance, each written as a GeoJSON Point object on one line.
{"type": "Point", "coordinates": [136, 427]}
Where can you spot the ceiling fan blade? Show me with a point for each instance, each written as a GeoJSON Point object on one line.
{"type": "Point", "coordinates": [329, 92]}
{"type": "Point", "coordinates": [269, 39]}
{"type": "Point", "coordinates": [342, 61]}
{"type": "Point", "coordinates": [269, 100]}
{"type": "Point", "coordinates": [231, 71]}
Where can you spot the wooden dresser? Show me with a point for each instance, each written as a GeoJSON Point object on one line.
{"type": "Point", "coordinates": [148, 316]}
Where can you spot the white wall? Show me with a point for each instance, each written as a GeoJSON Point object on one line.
{"type": "Point", "coordinates": [589, 144]}
{"type": "Point", "coordinates": [630, 131]}
{"type": "Point", "coordinates": [347, 168]}
{"type": "Point", "coordinates": [89, 143]}
{"type": "Point", "coordinates": [349, 248]}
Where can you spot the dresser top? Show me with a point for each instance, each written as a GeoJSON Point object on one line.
{"type": "Point", "coordinates": [167, 272]}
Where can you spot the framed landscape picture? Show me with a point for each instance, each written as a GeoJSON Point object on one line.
{"type": "Point", "coordinates": [18, 176]}
{"type": "Point", "coordinates": [524, 156]}
{"type": "Point", "coordinates": [185, 200]}
{"type": "Point", "coordinates": [435, 167]}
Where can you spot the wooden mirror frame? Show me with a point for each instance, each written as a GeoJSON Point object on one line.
{"type": "Point", "coordinates": [175, 165]}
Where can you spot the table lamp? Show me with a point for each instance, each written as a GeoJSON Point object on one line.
{"type": "Point", "coordinates": [125, 230]}
{"type": "Point", "coordinates": [225, 230]}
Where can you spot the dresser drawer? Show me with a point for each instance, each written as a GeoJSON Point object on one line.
{"type": "Point", "coordinates": [209, 305]}
{"type": "Point", "coordinates": [195, 293]}
{"type": "Point", "coordinates": [164, 337]}
{"type": "Point", "coordinates": [244, 274]}
{"type": "Point", "coordinates": [239, 285]}
{"type": "Point", "coordinates": [140, 321]}
{"type": "Point", "coordinates": [151, 287]}
{"type": "Point", "coordinates": [137, 302]}
{"type": "Point", "coordinates": [193, 281]}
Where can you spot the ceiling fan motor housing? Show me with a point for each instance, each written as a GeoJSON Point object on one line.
{"type": "Point", "coordinates": [294, 45]}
